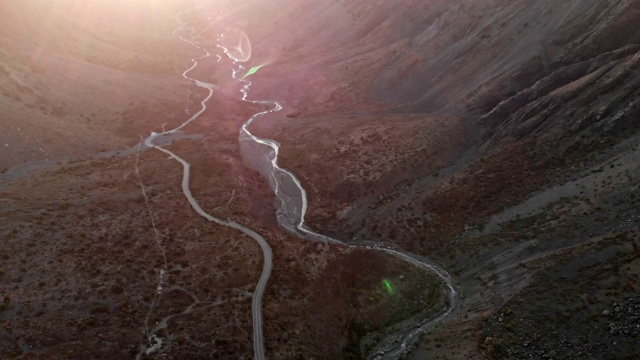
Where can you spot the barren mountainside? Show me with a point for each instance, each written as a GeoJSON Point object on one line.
{"type": "Point", "coordinates": [523, 160]}
{"type": "Point", "coordinates": [74, 74]}
{"type": "Point", "coordinates": [498, 139]}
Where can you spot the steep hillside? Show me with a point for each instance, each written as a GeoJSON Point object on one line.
{"type": "Point", "coordinates": [498, 137]}
{"type": "Point", "coordinates": [72, 73]}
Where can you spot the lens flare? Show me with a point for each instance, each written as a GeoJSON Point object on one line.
{"type": "Point", "coordinates": [253, 70]}
{"type": "Point", "coordinates": [388, 286]}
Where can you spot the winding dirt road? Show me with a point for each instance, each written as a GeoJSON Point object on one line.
{"type": "Point", "coordinates": [256, 303]}
{"type": "Point", "coordinates": [262, 154]}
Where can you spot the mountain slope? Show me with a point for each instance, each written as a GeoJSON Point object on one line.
{"type": "Point", "coordinates": [498, 137]}
{"type": "Point", "coordinates": [71, 69]}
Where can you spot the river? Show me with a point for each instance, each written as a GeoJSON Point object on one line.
{"type": "Point", "coordinates": [291, 208]}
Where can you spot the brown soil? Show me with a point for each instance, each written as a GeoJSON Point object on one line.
{"type": "Point", "coordinates": [499, 138]}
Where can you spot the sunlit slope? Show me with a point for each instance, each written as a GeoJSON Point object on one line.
{"type": "Point", "coordinates": [73, 74]}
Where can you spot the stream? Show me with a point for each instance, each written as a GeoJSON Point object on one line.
{"type": "Point", "coordinates": [291, 207]}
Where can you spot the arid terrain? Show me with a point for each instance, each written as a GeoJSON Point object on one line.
{"type": "Point", "coordinates": [497, 138]}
